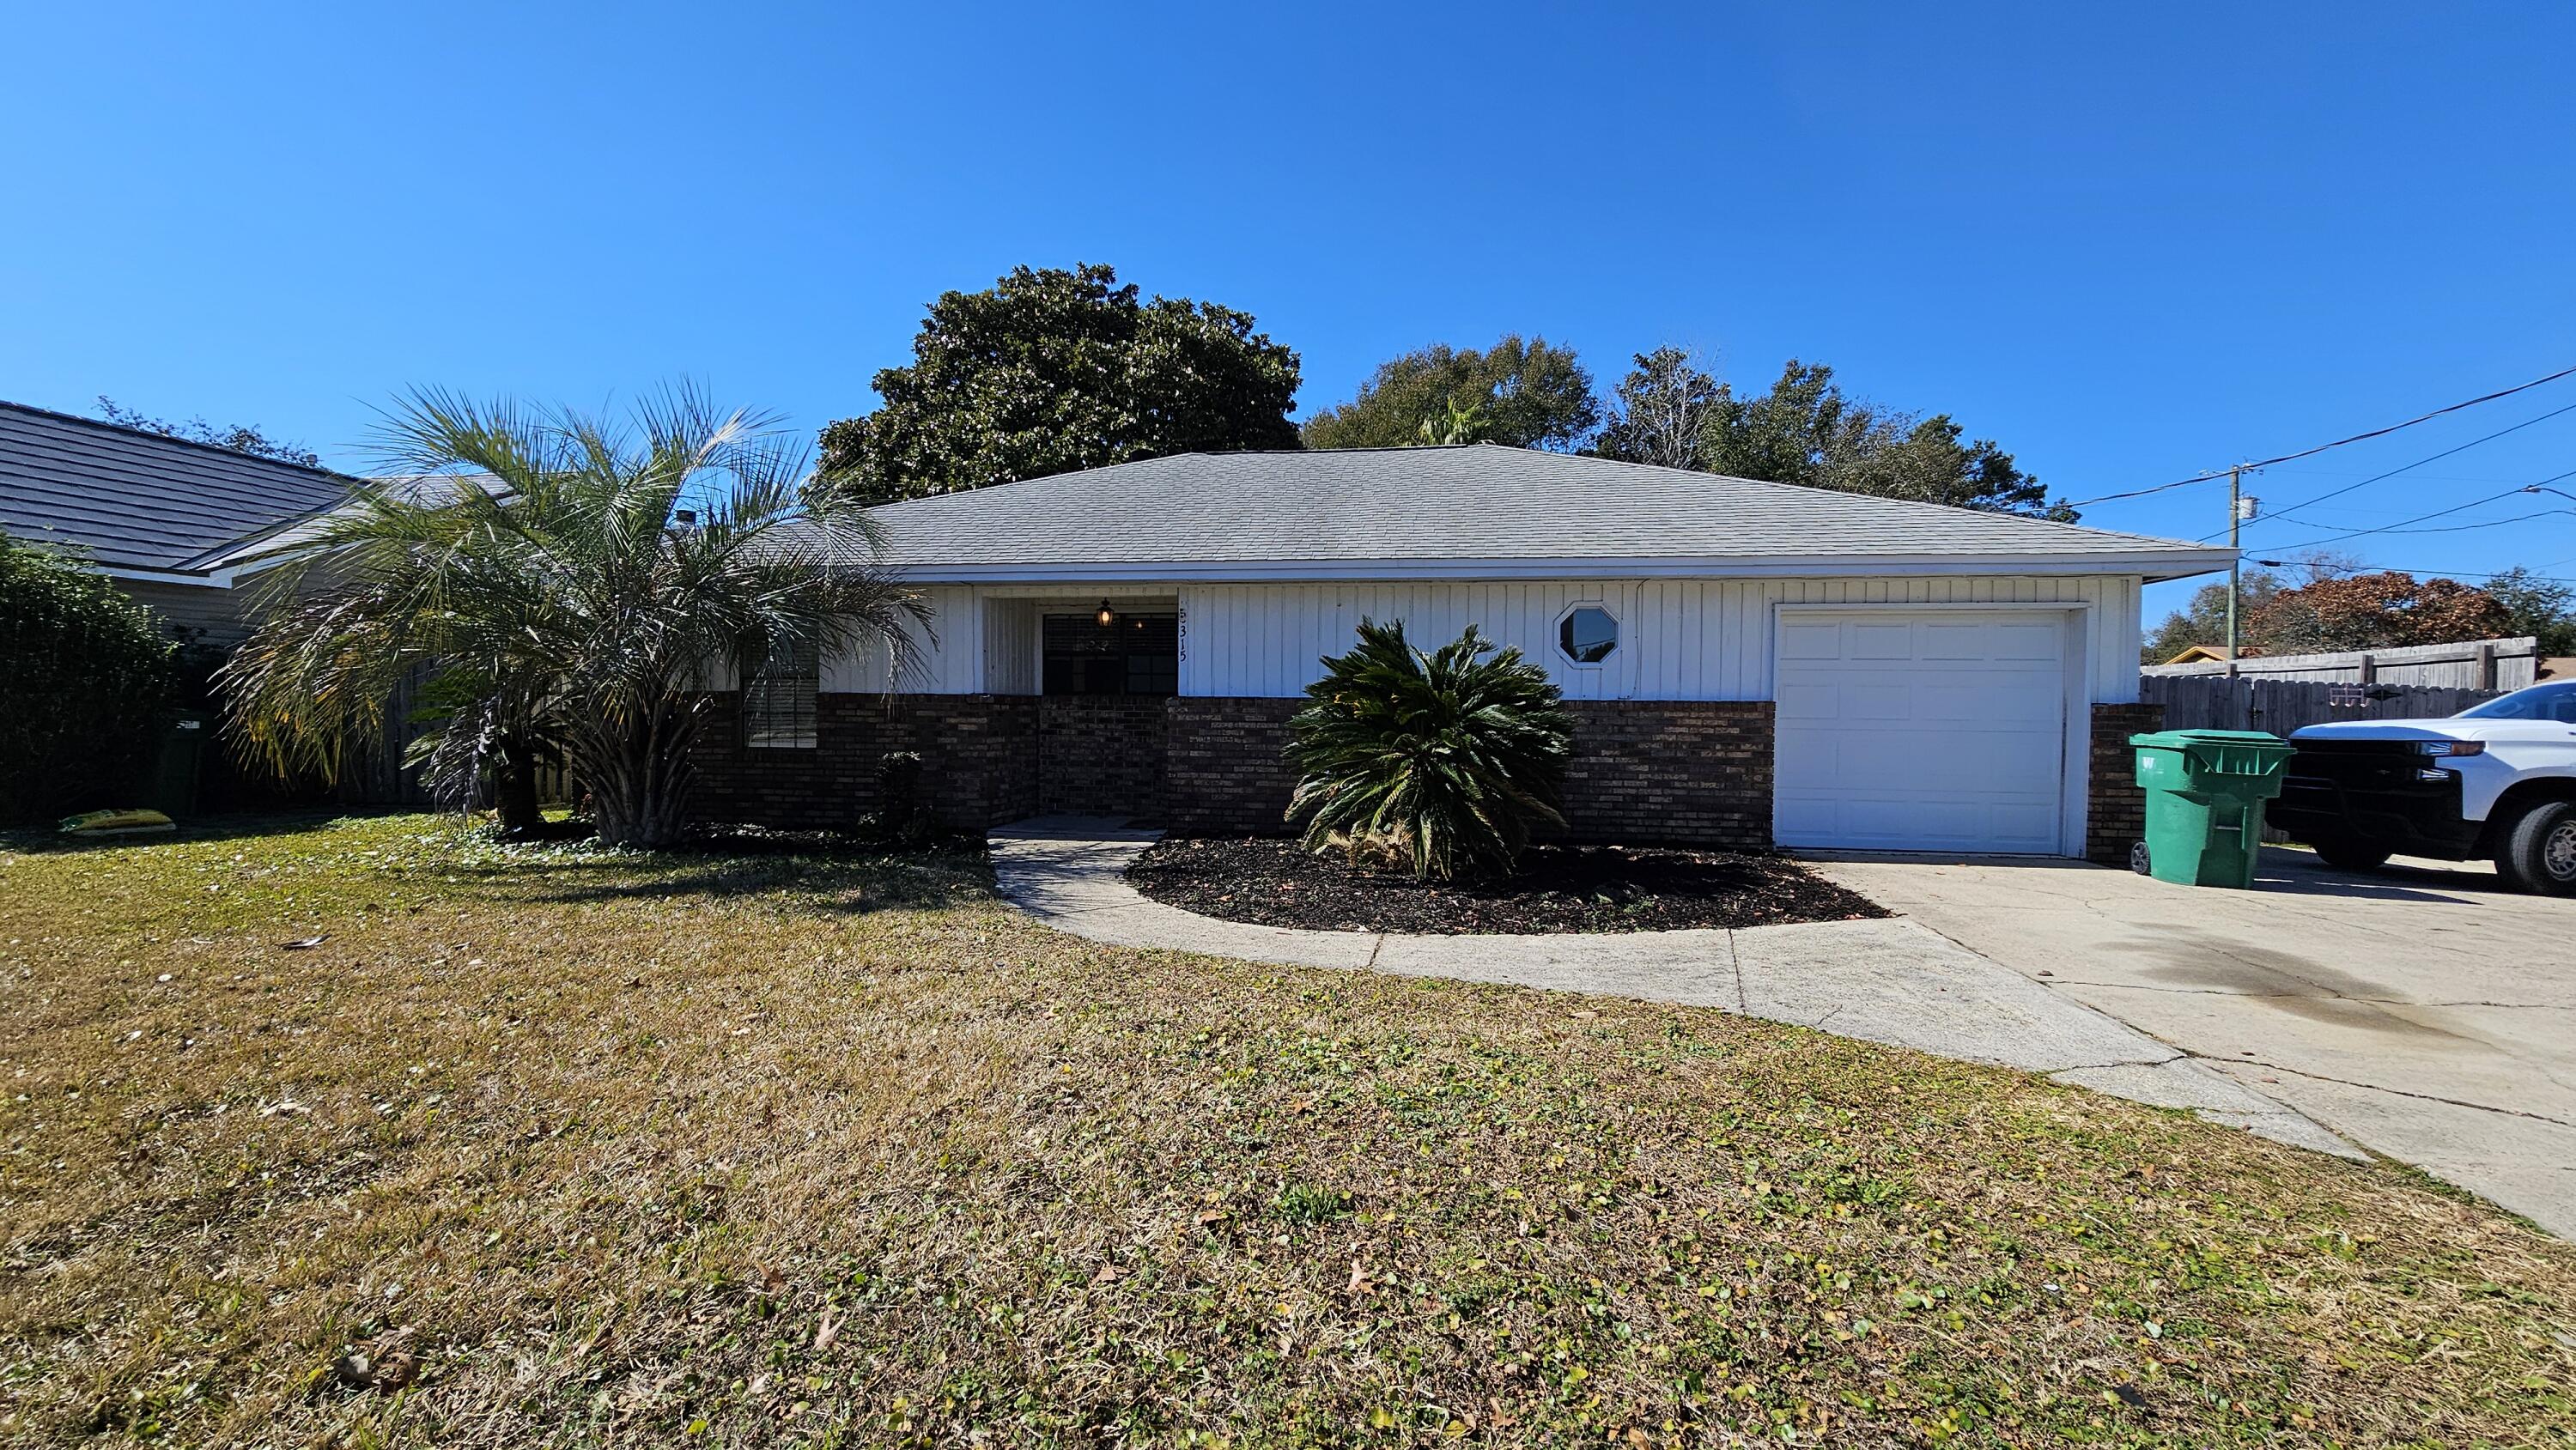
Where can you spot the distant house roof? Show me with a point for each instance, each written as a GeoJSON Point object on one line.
{"type": "Point", "coordinates": [136, 500]}
{"type": "Point", "coordinates": [1479, 510]}
{"type": "Point", "coordinates": [2202, 653]}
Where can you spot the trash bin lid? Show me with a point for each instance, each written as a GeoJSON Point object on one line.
{"type": "Point", "coordinates": [2185, 739]}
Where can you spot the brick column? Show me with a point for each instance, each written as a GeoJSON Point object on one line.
{"type": "Point", "coordinates": [2115, 809]}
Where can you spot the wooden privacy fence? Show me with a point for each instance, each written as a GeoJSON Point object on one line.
{"type": "Point", "coordinates": [2216, 702]}
{"type": "Point", "coordinates": [2477, 664]}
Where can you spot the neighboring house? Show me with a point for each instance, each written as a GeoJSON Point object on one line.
{"type": "Point", "coordinates": [183, 527]}
{"type": "Point", "coordinates": [1747, 663]}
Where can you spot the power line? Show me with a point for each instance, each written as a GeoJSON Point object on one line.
{"type": "Point", "coordinates": [2403, 468]}
{"type": "Point", "coordinates": [2400, 525]}
{"type": "Point", "coordinates": [2322, 447]}
{"type": "Point", "coordinates": [2429, 573]}
{"type": "Point", "coordinates": [2489, 524]}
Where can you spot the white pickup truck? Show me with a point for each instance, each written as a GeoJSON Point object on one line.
{"type": "Point", "coordinates": [2496, 782]}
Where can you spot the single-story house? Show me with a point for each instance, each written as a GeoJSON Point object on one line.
{"type": "Point", "coordinates": [1748, 663]}
{"type": "Point", "coordinates": [184, 527]}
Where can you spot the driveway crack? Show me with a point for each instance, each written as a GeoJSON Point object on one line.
{"type": "Point", "coordinates": [2392, 1092]}
{"type": "Point", "coordinates": [2055, 981]}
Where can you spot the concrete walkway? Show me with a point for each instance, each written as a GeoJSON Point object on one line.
{"type": "Point", "coordinates": [2421, 1010]}
{"type": "Point", "coordinates": [1890, 981]}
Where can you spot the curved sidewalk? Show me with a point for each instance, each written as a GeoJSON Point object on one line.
{"type": "Point", "coordinates": [1888, 980]}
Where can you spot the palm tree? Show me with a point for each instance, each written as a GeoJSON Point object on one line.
{"type": "Point", "coordinates": [570, 582]}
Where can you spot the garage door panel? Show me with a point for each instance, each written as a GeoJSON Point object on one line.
{"type": "Point", "coordinates": [2035, 642]}
{"type": "Point", "coordinates": [1880, 642]}
{"type": "Point", "coordinates": [1822, 701]}
{"type": "Point", "coordinates": [1811, 642]}
{"type": "Point", "coordinates": [1861, 704]}
{"type": "Point", "coordinates": [1955, 642]}
{"type": "Point", "coordinates": [1921, 732]}
{"type": "Point", "coordinates": [2005, 706]}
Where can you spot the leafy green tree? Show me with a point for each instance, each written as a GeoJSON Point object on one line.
{"type": "Point", "coordinates": [1441, 762]}
{"type": "Point", "coordinates": [549, 585]}
{"type": "Point", "coordinates": [2541, 608]}
{"type": "Point", "coordinates": [1661, 411]}
{"type": "Point", "coordinates": [2204, 620]}
{"type": "Point", "coordinates": [86, 675]}
{"type": "Point", "coordinates": [1050, 371]}
{"type": "Point", "coordinates": [1806, 430]}
{"type": "Point", "coordinates": [240, 437]}
{"type": "Point", "coordinates": [1528, 394]}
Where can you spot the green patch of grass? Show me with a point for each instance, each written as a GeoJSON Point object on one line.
{"type": "Point", "coordinates": [569, 1146]}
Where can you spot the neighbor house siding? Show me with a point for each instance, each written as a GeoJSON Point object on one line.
{"type": "Point", "coordinates": [1678, 639]}
{"type": "Point", "coordinates": [223, 614]}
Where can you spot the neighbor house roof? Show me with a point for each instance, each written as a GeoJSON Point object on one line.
{"type": "Point", "coordinates": [139, 501]}
{"type": "Point", "coordinates": [1475, 511]}
{"type": "Point", "coordinates": [2198, 653]}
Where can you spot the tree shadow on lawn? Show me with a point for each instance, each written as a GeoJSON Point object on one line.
{"type": "Point", "coordinates": [840, 875]}
{"type": "Point", "coordinates": [245, 826]}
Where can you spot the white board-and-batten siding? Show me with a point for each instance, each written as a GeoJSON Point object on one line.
{"type": "Point", "coordinates": [1678, 639]}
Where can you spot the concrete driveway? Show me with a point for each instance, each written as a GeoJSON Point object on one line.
{"type": "Point", "coordinates": [2421, 1010]}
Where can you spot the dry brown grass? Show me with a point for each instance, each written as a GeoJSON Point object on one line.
{"type": "Point", "coordinates": [584, 1149]}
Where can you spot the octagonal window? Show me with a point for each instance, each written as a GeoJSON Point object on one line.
{"type": "Point", "coordinates": [1588, 634]}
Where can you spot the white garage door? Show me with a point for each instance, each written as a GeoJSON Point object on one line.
{"type": "Point", "coordinates": [1929, 731]}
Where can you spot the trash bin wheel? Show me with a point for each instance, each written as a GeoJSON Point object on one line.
{"type": "Point", "coordinates": [2138, 861]}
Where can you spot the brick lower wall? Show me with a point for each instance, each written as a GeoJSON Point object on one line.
{"type": "Point", "coordinates": [1643, 770]}
{"type": "Point", "coordinates": [1675, 771]}
{"type": "Point", "coordinates": [2115, 809]}
{"type": "Point", "coordinates": [1224, 769]}
{"type": "Point", "coordinates": [978, 761]}
{"type": "Point", "coordinates": [1101, 755]}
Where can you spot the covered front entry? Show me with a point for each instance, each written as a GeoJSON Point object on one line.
{"type": "Point", "coordinates": [1929, 730]}
{"type": "Point", "coordinates": [1106, 676]}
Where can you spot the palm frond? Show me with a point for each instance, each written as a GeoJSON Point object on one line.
{"type": "Point", "coordinates": [552, 574]}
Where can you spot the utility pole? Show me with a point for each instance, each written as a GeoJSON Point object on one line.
{"type": "Point", "coordinates": [2235, 567]}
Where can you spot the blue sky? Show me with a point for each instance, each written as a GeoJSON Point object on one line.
{"type": "Point", "coordinates": [2130, 243]}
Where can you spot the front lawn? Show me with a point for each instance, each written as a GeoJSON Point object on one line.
{"type": "Point", "coordinates": [556, 1146]}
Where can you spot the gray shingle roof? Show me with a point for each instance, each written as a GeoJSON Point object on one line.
{"type": "Point", "coordinates": [1443, 509]}
{"type": "Point", "coordinates": [140, 500]}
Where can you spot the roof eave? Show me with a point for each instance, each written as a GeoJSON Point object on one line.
{"type": "Point", "coordinates": [2151, 566]}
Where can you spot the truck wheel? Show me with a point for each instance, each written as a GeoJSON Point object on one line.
{"type": "Point", "coordinates": [2539, 854]}
{"type": "Point", "coordinates": [2350, 855]}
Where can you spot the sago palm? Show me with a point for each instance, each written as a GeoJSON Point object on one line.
{"type": "Point", "coordinates": [1445, 760]}
{"type": "Point", "coordinates": [537, 564]}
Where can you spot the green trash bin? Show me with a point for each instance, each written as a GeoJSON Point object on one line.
{"type": "Point", "coordinates": [2205, 793]}
{"type": "Point", "coordinates": [172, 786]}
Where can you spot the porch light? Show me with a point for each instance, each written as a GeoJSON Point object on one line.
{"type": "Point", "coordinates": [1107, 615]}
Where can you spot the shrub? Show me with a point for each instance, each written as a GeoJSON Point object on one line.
{"type": "Point", "coordinates": [1441, 763]}
{"type": "Point", "coordinates": [85, 680]}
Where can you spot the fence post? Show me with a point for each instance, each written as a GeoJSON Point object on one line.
{"type": "Point", "coordinates": [2486, 664]}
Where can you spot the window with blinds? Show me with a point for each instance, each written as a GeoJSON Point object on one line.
{"type": "Point", "coordinates": [779, 698]}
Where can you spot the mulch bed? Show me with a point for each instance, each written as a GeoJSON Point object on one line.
{"type": "Point", "coordinates": [1273, 882]}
